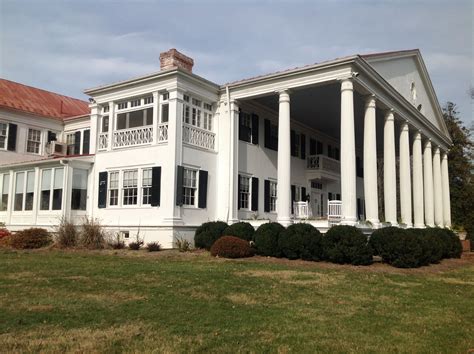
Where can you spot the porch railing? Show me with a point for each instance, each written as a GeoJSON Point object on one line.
{"type": "Point", "coordinates": [334, 211]}
{"type": "Point", "coordinates": [133, 136]}
{"type": "Point", "coordinates": [103, 141]}
{"type": "Point", "coordinates": [324, 163]}
{"type": "Point", "coordinates": [302, 210]}
{"type": "Point", "coordinates": [199, 137]}
{"type": "Point", "coordinates": [162, 132]}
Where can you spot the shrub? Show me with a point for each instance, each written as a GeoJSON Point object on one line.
{"type": "Point", "coordinates": [183, 245]}
{"type": "Point", "coordinates": [378, 238]}
{"type": "Point", "coordinates": [301, 241]}
{"type": "Point", "coordinates": [153, 247]}
{"type": "Point", "coordinates": [401, 248]}
{"type": "Point", "coordinates": [30, 238]}
{"type": "Point", "coordinates": [241, 230]}
{"type": "Point", "coordinates": [134, 246]}
{"type": "Point", "coordinates": [208, 233]}
{"type": "Point", "coordinates": [117, 243]}
{"type": "Point", "coordinates": [67, 234]}
{"type": "Point", "coordinates": [4, 233]}
{"type": "Point", "coordinates": [231, 247]}
{"type": "Point", "coordinates": [347, 244]}
{"type": "Point", "coordinates": [452, 247]}
{"type": "Point", "coordinates": [92, 234]}
{"type": "Point", "coordinates": [266, 239]}
{"type": "Point", "coordinates": [432, 245]}
{"type": "Point", "coordinates": [4, 237]}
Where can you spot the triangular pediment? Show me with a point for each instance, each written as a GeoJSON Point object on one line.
{"type": "Point", "coordinates": [406, 72]}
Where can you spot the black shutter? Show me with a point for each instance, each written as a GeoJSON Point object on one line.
{"type": "Point", "coordinates": [303, 147]}
{"type": "Point", "coordinates": [202, 197]}
{"type": "Point", "coordinates": [102, 189]}
{"type": "Point", "coordinates": [320, 148]}
{"type": "Point", "coordinates": [303, 194]}
{"type": "Point", "coordinates": [254, 129]}
{"type": "Point", "coordinates": [11, 143]}
{"type": "Point", "coordinates": [86, 142]}
{"type": "Point", "coordinates": [267, 142]}
{"type": "Point", "coordinates": [329, 151]}
{"type": "Point", "coordinates": [77, 143]}
{"type": "Point", "coordinates": [266, 187]}
{"type": "Point", "coordinates": [330, 196]}
{"type": "Point", "coordinates": [241, 127]}
{"type": "Point", "coordinates": [51, 136]}
{"type": "Point", "coordinates": [359, 208]}
{"type": "Point", "coordinates": [155, 186]}
{"type": "Point", "coordinates": [337, 154]}
{"type": "Point", "coordinates": [293, 197]}
{"type": "Point", "coordinates": [292, 141]}
{"type": "Point", "coordinates": [254, 194]}
{"type": "Point", "coordinates": [240, 191]}
{"type": "Point", "coordinates": [312, 147]}
{"type": "Point", "coordinates": [179, 185]}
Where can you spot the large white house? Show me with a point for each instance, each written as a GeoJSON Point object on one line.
{"type": "Point", "coordinates": [355, 140]}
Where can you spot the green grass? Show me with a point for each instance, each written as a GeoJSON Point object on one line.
{"type": "Point", "coordinates": [54, 301]}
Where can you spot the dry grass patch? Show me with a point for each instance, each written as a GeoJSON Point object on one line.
{"type": "Point", "coordinates": [294, 277]}
{"type": "Point", "coordinates": [241, 299]}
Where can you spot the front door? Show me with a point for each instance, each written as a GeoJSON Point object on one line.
{"type": "Point", "coordinates": [316, 208]}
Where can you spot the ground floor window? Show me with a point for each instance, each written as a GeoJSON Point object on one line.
{"type": "Point", "coordinates": [113, 188]}
{"type": "Point", "coordinates": [5, 186]}
{"type": "Point", "coordinates": [273, 196]}
{"type": "Point", "coordinates": [244, 192]}
{"type": "Point", "coordinates": [189, 186]}
{"type": "Point", "coordinates": [130, 187]}
{"type": "Point", "coordinates": [24, 191]}
{"type": "Point", "coordinates": [51, 180]}
{"type": "Point", "coordinates": [79, 189]}
{"type": "Point", "coordinates": [146, 186]}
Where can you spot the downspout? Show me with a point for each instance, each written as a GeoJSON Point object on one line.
{"type": "Point", "coordinates": [230, 150]}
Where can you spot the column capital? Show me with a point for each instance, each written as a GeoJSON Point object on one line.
{"type": "Point", "coordinates": [284, 95]}
{"type": "Point", "coordinates": [370, 101]}
{"type": "Point", "coordinates": [234, 104]}
{"type": "Point", "coordinates": [389, 115]}
{"type": "Point", "coordinates": [347, 84]}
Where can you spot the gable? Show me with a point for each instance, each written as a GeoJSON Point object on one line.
{"type": "Point", "coordinates": [405, 73]}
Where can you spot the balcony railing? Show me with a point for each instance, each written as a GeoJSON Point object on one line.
{"type": "Point", "coordinates": [162, 132]}
{"type": "Point", "coordinates": [334, 211]}
{"type": "Point", "coordinates": [103, 141]}
{"type": "Point", "coordinates": [133, 136]}
{"type": "Point", "coordinates": [199, 137]}
{"type": "Point", "coordinates": [324, 163]}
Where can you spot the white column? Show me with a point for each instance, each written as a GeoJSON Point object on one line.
{"type": "Point", "coordinates": [234, 162]}
{"type": "Point", "coordinates": [95, 122]}
{"type": "Point", "coordinates": [156, 107]}
{"type": "Point", "coordinates": [437, 189]}
{"type": "Point", "coordinates": [348, 168]}
{"type": "Point", "coordinates": [389, 170]}
{"type": "Point", "coordinates": [405, 176]}
{"type": "Point", "coordinates": [112, 124]}
{"type": "Point", "coordinates": [284, 160]}
{"type": "Point", "coordinates": [418, 208]}
{"type": "Point", "coordinates": [428, 184]}
{"type": "Point", "coordinates": [173, 159]}
{"type": "Point", "coordinates": [370, 163]}
{"type": "Point", "coordinates": [446, 196]}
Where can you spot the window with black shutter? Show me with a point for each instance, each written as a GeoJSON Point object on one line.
{"type": "Point", "coordinates": [245, 127]}
{"type": "Point", "coordinates": [254, 129]}
{"type": "Point", "coordinates": [179, 185]}
{"type": "Point", "coordinates": [254, 194]}
{"type": "Point", "coordinates": [77, 143]}
{"type": "Point", "coordinates": [102, 199]}
{"type": "Point", "coordinates": [51, 136]}
{"type": "Point", "coordinates": [271, 135]}
{"type": "Point", "coordinates": [319, 148]}
{"type": "Point", "coordinates": [86, 142]}
{"type": "Point", "coordinates": [303, 146]}
{"type": "Point", "coordinates": [303, 194]}
{"type": "Point", "coordinates": [312, 147]}
{"type": "Point", "coordinates": [293, 198]}
{"type": "Point", "coordinates": [266, 195]}
{"type": "Point", "coordinates": [155, 186]}
{"type": "Point", "coordinates": [202, 189]}
{"type": "Point", "coordinates": [329, 151]}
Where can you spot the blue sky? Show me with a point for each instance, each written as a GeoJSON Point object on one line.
{"type": "Point", "coordinates": [68, 46]}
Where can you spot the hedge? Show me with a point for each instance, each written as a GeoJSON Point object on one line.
{"type": "Point", "coordinates": [347, 244]}
{"type": "Point", "coordinates": [30, 238]}
{"type": "Point", "coordinates": [301, 241]}
{"type": "Point", "coordinates": [242, 230]}
{"type": "Point", "coordinates": [266, 239]}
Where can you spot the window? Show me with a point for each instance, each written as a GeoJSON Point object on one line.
{"type": "Point", "coordinates": [196, 102]}
{"type": "Point", "coordinates": [189, 187]}
{"type": "Point", "coordinates": [45, 189]}
{"type": "Point", "coordinates": [106, 109]}
{"type": "Point", "coordinates": [19, 191]}
{"type": "Point", "coordinates": [297, 144]}
{"type": "Point", "coordinates": [165, 112]}
{"type": "Point", "coordinates": [207, 121]}
{"type": "Point", "coordinates": [196, 117]}
{"type": "Point", "coordinates": [135, 119]}
{"type": "Point", "coordinates": [148, 100]}
{"type": "Point", "coordinates": [104, 127]}
{"type": "Point", "coordinates": [122, 105]}
{"type": "Point", "coordinates": [130, 187]}
{"type": "Point", "coordinates": [5, 186]}
{"type": "Point", "coordinates": [34, 141]}
{"type": "Point", "coordinates": [245, 127]}
{"type": "Point", "coordinates": [79, 189]}
{"type": "Point", "coordinates": [71, 143]}
{"type": "Point", "coordinates": [208, 106]}
{"type": "Point", "coordinates": [30, 190]}
{"type": "Point", "coordinates": [113, 188]}
{"type": "Point", "coordinates": [165, 96]}
{"type": "Point", "coordinates": [3, 135]}
{"type": "Point", "coordinates": [135, 103]}
{"type": "Point", "coordinates": [316, 185]}
{"type": "Point", "coordinates": [273, 196]}
{"type": "Point", "coordinates": [186, 113]}
{"type": "Point", "coordinates": [186, 98]}
{"type": "Point", "coordinates": [244, 192]}
{"type": "Point", "coordinates": [58, 188]}
{"type": "Point", "coordinates": [146, 186]}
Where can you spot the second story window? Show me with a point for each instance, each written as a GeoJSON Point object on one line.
{"type": "Point", "coordinates": [3, 136]}
{"type": "Point", "coordinates": [34, 141]}
{"type": "Point", "coordinates": [245, 127]}
{"type": "Point", "coordinates": [135, 119]}
{"type": "Point", "coordinates": [104, 127]}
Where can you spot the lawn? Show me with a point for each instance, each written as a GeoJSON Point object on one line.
{"type": "Point", "coordinates": [111, 301]}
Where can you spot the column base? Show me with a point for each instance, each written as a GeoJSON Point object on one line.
{"type": "Point", "coordinates": [351, 221]}
{"type": "Point", "coordinates": [375, 223]}
{"type": "Point", "coordinates": [285, 221]}
{"type": "Point", "coordinates": [419, 226]}
{"type": "Point", "coordinates": [233, 221]}
{"type": "Point", "coordinates": [173, 221]}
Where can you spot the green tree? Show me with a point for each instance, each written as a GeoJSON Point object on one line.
{"type": "Point", "coordinates": [461, 168]}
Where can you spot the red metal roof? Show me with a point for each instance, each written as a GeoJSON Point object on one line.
{"type": "Point", "coordinates": [40, 102]}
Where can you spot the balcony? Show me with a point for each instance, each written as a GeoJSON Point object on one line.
{"type": "Point", "coordinates": [323, 163]}
{"type": "Point", "coordinates": [199, 137]}
{"type": "Point", "coordinates": [133, 137]}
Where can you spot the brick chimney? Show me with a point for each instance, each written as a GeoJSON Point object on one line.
{"type": "Point", "coordinates": [173, 59]}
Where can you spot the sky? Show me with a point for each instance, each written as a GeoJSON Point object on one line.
{"type": "Point", "coordinates": [68, 46]}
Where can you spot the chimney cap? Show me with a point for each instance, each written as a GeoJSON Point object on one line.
{"type": "Point", "coordinates": [172, 59]}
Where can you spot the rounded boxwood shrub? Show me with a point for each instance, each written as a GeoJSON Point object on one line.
{"type": "Point", "coordinates": [231, 247]}
{"type": "Point", "coordinates": [266, 239]}
{"type": "Point", "coordinates": [378, 238]}
{"type": "Point", "coordinates": [301, 241]}
{"type": "Point", "coordinates": [30, 238]}
{"type": "Point", "coordinates": [432, 245]}
{"type": "Point", "coordinates": [347, 244]}
{"type": "Point", "coordinates": [452, 247]}
{"type": "Point", "coordinates": [241, 230]}
{"type": "Point", "coordinates": [208, 233]}
{"type": "Point", "coordinates": [402, 249]}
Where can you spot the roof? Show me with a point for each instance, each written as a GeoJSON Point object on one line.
{"type": "Point", "coordinates": [40, 102]}
{"type": "Point", "coordinates": [47, 159]}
